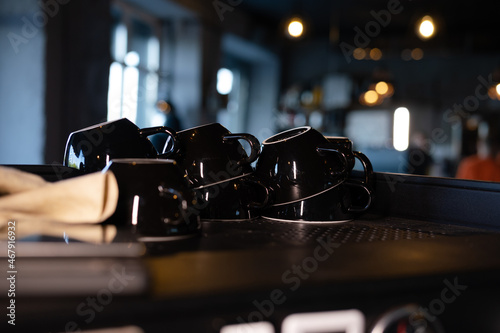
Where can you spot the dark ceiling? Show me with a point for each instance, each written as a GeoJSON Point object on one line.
{"type": "Point", "coordinates": [468, 25]}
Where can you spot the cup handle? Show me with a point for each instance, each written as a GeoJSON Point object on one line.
{"type": "Point", "coordinates": [367, 166]}
{"type": "Point", "coordinates": [183, 205]}
{"type": "Point", "coordinates": [252, 140]}
{"type": "Point", "coordinates": [145, 132]}
{"type": "Point", "coordinates": [264, 203]}
{"type": "Point", "coordinates": [326, 150]}
{"type": "Point", "coordinates": [357, 183]}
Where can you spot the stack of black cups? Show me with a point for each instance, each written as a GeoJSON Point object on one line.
{"type": "Point", "coordinates": [308, 176]}
{"type": "Point", "coordinates": [204, 173]}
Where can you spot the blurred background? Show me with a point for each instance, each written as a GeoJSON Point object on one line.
{"type": "Point", "coordinates": [412, 83]}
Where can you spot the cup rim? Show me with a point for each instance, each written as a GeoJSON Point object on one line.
{"type": "Point", "coordinates": [309, 196]}
{"type": "Point", "coordinates": [269, 140]}
{"type": "Point", "coordinates": [335, 137]}
{"type": "Point", "coordinates": [222, 181]}
{"type": "Point", "coordinates": [102, 124]}
{"type": "Point", "coordinates": [276, 219]}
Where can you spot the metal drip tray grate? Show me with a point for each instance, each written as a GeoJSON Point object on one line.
{"type": "Point", "coordinates": [269, 233]}
{"type": "Point", "coordinates": [358, 234]}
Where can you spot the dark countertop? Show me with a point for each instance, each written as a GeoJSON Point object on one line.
{"type": "Point", "coordinates": [423, 238]}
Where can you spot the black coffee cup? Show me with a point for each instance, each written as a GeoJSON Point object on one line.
{"type": "Point", "coordinates": [91, 148]}
{"type": "Point", "coordinates": [154, 201]}
{"type": "Point", "coordinates": [237, 199]}
{"type": "Point", "coordinates": [210, 154]}
{"type": "Point", "coordinates": [300, 163]}
{"type": "Point", "coordinates": [341, 203]}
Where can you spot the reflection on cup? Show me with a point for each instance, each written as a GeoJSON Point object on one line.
{"type": "Point", "coordinates": [154, 198]}
{"type": "Point", "coordinates": [91, 148]}
{"type": "Point", "coordinates": [299, 163]}
{"type": "Point", "coordinates": [210, 154]}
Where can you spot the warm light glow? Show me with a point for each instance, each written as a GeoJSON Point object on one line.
{"type": "Point", "coordinates": [367, 53]}
{"type": "Point", "coordinates": [472, 123]}
{"type": "Point", "coordinates": [371, 97]}
{"type": "Point", "coordinates": [406, 54]}
{"type": "Point", "coordinates": [492, 93]}
{"type": "Point", "coordinates": [163, 106]}
{"type": "Point", "coordinates": [295, 28]}
{"type": "Point", "coordinates": [359, 53]}
{"type": "Point", "coordinates": [426, 28]}
{"type": "Point", "coordinates": [375, 54]}
{"type": "Point", "coordinates": [224, 81]}
{"type": "Point", "coordinates": [362, 99]}
{"type": "Point", "coordinates": [390, 90]}
{"type": "Point", "coordinates": [417, 53]}
{"type": "Point", "coordinates": [401, 129]}
{"type": "Point", "coordinates": [497, 88]}
{"type": "Point", "coordinates": [382, 88]}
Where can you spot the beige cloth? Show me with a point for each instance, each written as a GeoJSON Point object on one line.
{"type": "Point", "coordinates": [14, 181]}
{"type": "Point", "coordinates": [72, 207]}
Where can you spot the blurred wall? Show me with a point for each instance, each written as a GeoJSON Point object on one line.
{"type": "Point", "coordinates": [263, 86]}
{"type": "Point", "coordinates": [78, 57]}
{"type": "Point", "coordinates": [22, 49]}
{"type": "Point", "coordinates": [54, 65]}
{"type": "Point", "coordinates": [187, 72]}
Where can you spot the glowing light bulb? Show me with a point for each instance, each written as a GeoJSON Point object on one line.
{"type": "Point", "coordinates": [295, 28]}
{"type": "Point", "coordinates": [359, 53]}
{"type": "Point", "coordinates": [382, 88]}
{"type": "Point", "coordinates": [375, 54]}
{"type": "Point", "coordinates": [401, 129]}
{"type": "Point", "coordinates": [224, 81]}
{"type": "Point", "coordinates": [426, 27]}
{"type": "Point", "coordinates": [371, 97]}
{"type": "Point", "coordinates": [132, 59]}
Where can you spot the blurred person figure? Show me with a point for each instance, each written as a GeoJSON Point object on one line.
{"type": "Point", "coordinates": [171, 120]}
{"type": "Point", "coordinates": [485, 164]}
{"type": "Point", "coordinates": [419, 161]}
{"type": "Point", "coordinates": [167, 108]}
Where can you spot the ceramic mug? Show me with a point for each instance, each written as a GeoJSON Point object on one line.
{"type": "Point", "coordinates": [300, 163]}
{"type": "Point", "coordinates": [91, 148]}
{"type": "Point", "coordinates": [155, 200]}
{"type": "Point", "coordinates": [341, 203]}
{"type": "Point", "coordinates": [237, 199]}
{"type": "Point", "coordinates": [210, 154]}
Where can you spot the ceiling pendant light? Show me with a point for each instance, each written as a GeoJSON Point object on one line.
{"type": "Point", "coordinates": [426, 27]}
{"type": "Point", "coordinates": [295, 27]}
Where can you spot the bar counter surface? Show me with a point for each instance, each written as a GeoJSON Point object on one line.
{"type": "Point", "coordinates": [424, 255]}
